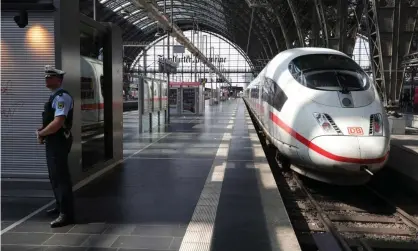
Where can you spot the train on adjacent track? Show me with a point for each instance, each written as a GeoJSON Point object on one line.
{"type": "Point", "coordinates": [324, 115]}
{"type": "Point", "coordinates": [92, 102]}
{"type": "Point", "coordinates": [92, 105]}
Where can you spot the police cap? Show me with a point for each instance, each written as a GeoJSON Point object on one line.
{"type": "Point", "coordinates": [51, 71]}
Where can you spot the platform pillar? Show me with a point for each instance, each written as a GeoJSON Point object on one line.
{"type": "Point", "coordinates": [67, 58]}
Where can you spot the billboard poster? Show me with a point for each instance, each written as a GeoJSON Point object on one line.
{"type": "Point", "coordinates": [416, 96]}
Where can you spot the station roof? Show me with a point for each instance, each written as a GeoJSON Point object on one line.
{"type": "Point", "coordinates": [277, 24]}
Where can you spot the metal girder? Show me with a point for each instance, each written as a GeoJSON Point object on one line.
{"type": "Point", "coordinates": [390, 43]}
{"type": "Point", "coordinates": [258, 3]}
{"type": "Point", "coordinates": [373, 34]}
{"type": "Point", "coordinates": [202, 71]}
{"type": "Point", "coordinates": [249, 30]}
{"type": "Point", "coordinates": [394, 76]}
{"type": "Point", "coordinates": [204, 29]}
{"type": "Point", "coordinates": [266, 31]}
{"type": "Point", "coordinates": [410, 60]}
{"type": "Point", "coordinates": [235, 46]}
{"type": "Point", "coordinates": [204, 13]}
{"type": "Point", "coordinates": [292, 8]}
{"type": "Point", "coordinates": [342, 23]}
{"type": "Point", "coordinates": [277, 24]}
{"type": "Point", "coordinates": [260, 24]}
{"type": "Point", "coordinates": [176, 32]}
{"type": "Point", "coordinates": [202, 10]}
{"type": "Point", "coordinates": [263, 15]}
{"type": "Point", "coordinates": [322, 21]}
{"type": "Point", "coordinates": [355, 11]}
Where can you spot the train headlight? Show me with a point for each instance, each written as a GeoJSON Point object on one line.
{"type": "Point", "coordinates": [376, 124]}
{"type": "Point", "coordinates": [324, 122]}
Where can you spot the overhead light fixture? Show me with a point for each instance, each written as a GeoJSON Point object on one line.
{"type": "Point", "coordinates": [22, 19]}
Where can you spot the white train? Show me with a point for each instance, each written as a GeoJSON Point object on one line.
{"type": "Point", "coordinates": [91, 91]}
{"type": "Point", "coordinates": [92, 105]}
{"type": "Point", "coordinates": [323, 114]}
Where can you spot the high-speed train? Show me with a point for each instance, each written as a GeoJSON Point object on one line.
{"type": "Point", "coordinates": [323, 114]}
{"type": "Point", "coordinates": [91, 91]}
{"type": "Point", "coordinates": [92, 105]}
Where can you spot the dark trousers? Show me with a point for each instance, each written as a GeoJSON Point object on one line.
{"type": "Point", "coordinates": [57, 149]}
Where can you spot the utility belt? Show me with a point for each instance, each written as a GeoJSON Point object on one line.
{"type": "Point", "coordinates": [61, 134]}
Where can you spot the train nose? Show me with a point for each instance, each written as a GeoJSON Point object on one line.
{"type": "Point", "coordinates": [348, 151]}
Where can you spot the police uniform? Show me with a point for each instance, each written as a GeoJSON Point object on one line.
{"type": "Point", "coordinates": [58, 145]}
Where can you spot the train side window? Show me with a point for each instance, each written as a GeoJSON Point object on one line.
{"type": "Point", "coordinates": [255, 92]}
{"type": "Point", "coordinates": [271, 91]}
{"type": "Point", "coordinates": [266, 88]}
{"type": "Point", "coordinates": [87, 89]}
{"type": "Point", "coordinates": [279, 98]}
{"type": "Point", "coordinates": [296, 73]}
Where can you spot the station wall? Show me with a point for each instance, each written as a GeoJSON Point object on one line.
{"type": "Point", "coordinates": [24, 53]}
{"type": "Point", "coordinates": [52, 38]}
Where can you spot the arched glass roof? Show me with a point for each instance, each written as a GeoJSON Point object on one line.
{"type": "Point", "coordinates": [274, 25]}
{"type": "Point", "coordinates": [231, 19]}
{"type": "Point", "coordinates": [361, 52]}
{"type": "Point", "coordinates": [223, 54]}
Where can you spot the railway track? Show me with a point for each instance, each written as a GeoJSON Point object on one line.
{"type": "Point", "coordinates": [349, 218]}
{"type": "Point", "coordinates": [332, 218]}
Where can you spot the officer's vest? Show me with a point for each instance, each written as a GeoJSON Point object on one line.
{"type": "Point", "coordinates": [49, 113]}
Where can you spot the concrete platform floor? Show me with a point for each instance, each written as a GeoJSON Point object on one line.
{"type": "Point", "coordinates": [202, 183]}
{"type": "Point", "coordinates": [403, 156]}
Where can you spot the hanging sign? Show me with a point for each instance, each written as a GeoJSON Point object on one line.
{"type": "Point", "coordinates": [167, 66]}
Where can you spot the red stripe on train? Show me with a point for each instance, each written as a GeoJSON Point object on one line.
{"type": "Point", "coordinates": [320, 150]}
{"type": "Point", "coordinates": [95, 106]}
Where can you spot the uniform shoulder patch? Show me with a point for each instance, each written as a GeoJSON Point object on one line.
{"type": "Point", "coordinates": [60, 105]}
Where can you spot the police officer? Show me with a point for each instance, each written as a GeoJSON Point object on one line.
{"type": "Point", "coordinates": [57, 121]}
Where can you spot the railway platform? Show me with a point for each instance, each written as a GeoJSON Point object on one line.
{"type": "Point", "coordinates": [404, 155]}
{"type": "Point", "coordinates": [202, 183]}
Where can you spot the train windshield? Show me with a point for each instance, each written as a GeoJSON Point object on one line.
{"type": "Point", "coordinates": [329, 73]}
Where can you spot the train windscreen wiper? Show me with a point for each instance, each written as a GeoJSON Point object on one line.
{"type": "Point", "coordinates": [344, 89]}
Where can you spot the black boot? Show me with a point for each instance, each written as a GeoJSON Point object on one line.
{"type": "Point", "coordinates": [62, 220]}
{"type": "Point", "coordinates": [52, 211]}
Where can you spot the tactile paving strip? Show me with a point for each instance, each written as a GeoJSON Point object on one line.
{"type": "Point", "coordinates": [199, 233]}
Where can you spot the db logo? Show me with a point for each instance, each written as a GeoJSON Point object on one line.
{"type": "Point", "coordinates": [355, 130]}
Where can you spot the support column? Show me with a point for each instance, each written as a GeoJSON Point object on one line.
{"type": "Point", "coordinates": [67, 58]}
{"type": "Point", "coordinates": [112, 68]}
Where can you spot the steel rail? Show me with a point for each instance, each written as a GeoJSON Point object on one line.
{"type": "Point", "coordinates": [329, 226]}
